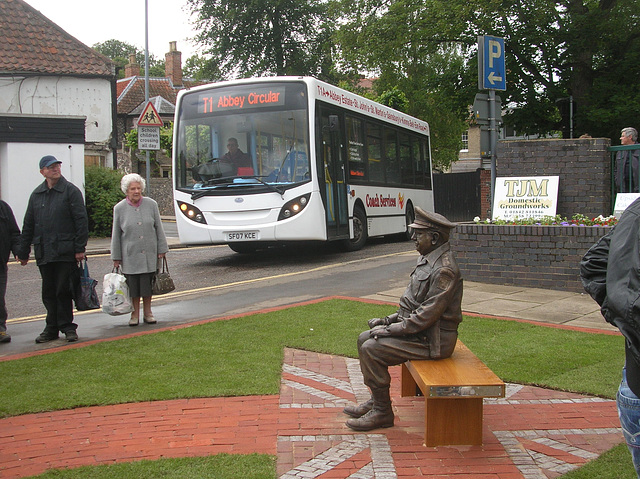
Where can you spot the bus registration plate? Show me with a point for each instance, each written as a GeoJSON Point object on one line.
{"type": "Point", "coordinates": [243, 236]}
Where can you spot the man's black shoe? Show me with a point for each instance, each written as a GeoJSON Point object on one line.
{"type": "Point", "coordinates": [71, 336]}
{"type": "Point", "coordinates": [45, 338]}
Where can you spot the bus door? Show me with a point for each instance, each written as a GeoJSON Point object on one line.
{"type": "Point", "coordinates": [333, 175]}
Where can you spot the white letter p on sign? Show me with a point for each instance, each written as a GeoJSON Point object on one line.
{"type": "Point", "coordinates": [495, 51]}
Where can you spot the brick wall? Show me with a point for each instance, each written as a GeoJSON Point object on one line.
{"type": "Point", "coordinates": [583, 166]}
{"type": "Point", "coordinates": [485, 194]}
{"type": "Point", "coordinates": [161, 190]}
{"type": "Point", "coordinates": [544, 257]}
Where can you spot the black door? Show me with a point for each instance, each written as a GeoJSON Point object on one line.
{"type": "Point", "coordinates": [333, 174]}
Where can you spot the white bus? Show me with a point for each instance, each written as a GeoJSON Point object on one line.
{"type": "Point", "coordinates": [315, 163]}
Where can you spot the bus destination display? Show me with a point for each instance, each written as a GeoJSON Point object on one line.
{"type": "Point", "coordinates": [223, 100]}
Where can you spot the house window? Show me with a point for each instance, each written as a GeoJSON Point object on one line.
{"type": "Point", "coordinates": [465, 141]}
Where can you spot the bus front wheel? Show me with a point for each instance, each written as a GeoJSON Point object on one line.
{"type": "Point", "coordinates": [410, 217]}
{"type": "Point", "coordinates": [359, 231]}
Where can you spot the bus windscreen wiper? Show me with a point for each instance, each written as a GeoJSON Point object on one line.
{"type": "Point", "coordinates": [225, 183]}
{"type": "Point", "coordinates": [213, 181]}
{"type": "Point", "coordinates": [277, 189]}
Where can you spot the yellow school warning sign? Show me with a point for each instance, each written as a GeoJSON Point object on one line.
{"type": "Point", "coordinates": [149, 124]}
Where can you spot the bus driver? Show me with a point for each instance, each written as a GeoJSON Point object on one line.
{"type": "Point", "coordinates": [235, 156]}
{"type": "Point", "coordinates": [226, 166]}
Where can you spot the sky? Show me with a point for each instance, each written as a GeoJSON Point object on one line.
{"type": "Point", "coordinates": [95, 21]}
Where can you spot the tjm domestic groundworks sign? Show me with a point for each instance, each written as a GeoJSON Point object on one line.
{"type": "Point", "coordinates": [525, 197]}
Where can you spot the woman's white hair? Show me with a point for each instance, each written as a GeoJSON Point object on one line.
{"type": "Point", "coordinates": [131, 178]}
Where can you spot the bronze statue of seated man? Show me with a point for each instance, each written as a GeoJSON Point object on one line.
{"type": "Point", "coordinates": [425, 326]}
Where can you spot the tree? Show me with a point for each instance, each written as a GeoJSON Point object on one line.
{"type": "Point", "coordinates": [119, 52]}
{"type": "Point", "coordinates": [586, 50]}
{"type": "Point", "coordinates": [389, 40]}
{"type": "Point", "coordinates": [559, 51]}
{"type": "Point", "coordinates": [201, 68]}
{"type": "Point", "coordinates": [266, 37]}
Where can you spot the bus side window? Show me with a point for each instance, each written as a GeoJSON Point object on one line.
{"type": "Point", "coordinates": [392, 165]}
{"type": "Point", "coordinates": [420, 152]}
{"type": "Point", "coordinates": [355, 149]}
{"type": "Point", "coordinates": [406, 165]}
{"type": "Point", "coordinates": [426, 161]}
{"type": "Point", "coordinates": [374, 151]}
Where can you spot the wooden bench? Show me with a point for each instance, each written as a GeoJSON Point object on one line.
{"type": "Point", "coordinates": [453, 389]}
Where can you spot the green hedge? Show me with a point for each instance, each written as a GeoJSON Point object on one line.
{"type": "Point", "coordinates": [102, 192]}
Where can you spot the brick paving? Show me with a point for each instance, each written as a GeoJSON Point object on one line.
{"type": "Point", "coordinates": [532, 433]}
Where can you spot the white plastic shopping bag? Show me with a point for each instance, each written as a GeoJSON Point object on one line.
{"type": "Point", "coordinates": [115, 294]}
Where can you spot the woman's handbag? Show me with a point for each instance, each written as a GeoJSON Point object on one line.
{"type": "Point", "coordinates": [116, 299]}
{"type": "Point", "coordinates": [85, 295]}
{"type": "Point", "coordinates": [162, 282]}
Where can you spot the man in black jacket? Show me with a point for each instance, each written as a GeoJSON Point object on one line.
{"type": "Point", "coordinates": [56, 223]}
{"type": "Point", "coordinates": [9, 241]}
{"type": "Point", "coordinates": [627, 163]}
{"type": "Point", "coordinates": [610, 273]}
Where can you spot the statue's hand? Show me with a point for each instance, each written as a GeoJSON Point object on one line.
{"type": "Point", "coordinates": [379, 332]}
{"type": "Point", "coordinates": [376, 322]}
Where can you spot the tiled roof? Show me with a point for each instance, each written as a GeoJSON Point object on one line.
{"type": "Point", "coordinates": [31, 43]}
{"type": "Point", "coordinates": [130, 92]}
{"type": "Point", "coordinates": [366, 83]}
{"type": "Point", "coordinates": [162, 106]}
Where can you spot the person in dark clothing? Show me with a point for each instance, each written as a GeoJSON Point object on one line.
{"type": "Point", "coordinates": [610, 273]}
{"type": "Point", "coordinates": [9, 242]}
{"type": "Point", "coordinates": [57, 225]}
{"type": "Point", "coordinates": [627, 163]}
{"type": "Point", "coordinates": [235, 156]}
{"type": "Point", "coordinates": [425, 326]}
{"type": "Point", "coordinates": [234, 162]}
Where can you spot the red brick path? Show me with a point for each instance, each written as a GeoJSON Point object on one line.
{"type": "Point", "coordinates": [533, 433]}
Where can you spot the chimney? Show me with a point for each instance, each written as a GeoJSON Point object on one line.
{"type": "Point", "coordinates": [132, 68]}
{"type": "Point", "coordinates": [173, 65]}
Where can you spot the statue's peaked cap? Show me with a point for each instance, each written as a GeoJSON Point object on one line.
{"type": "Point", "coordinates": [428, 220]}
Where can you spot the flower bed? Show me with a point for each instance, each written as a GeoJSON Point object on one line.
{"type": "Point", "coordinates": [530, 255]}
{"type": "Point", "coordinates": [576, 220]}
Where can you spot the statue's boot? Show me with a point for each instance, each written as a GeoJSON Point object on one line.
{"type": "Point", "coordinates": [381, 415]}
{"type": "Point", "coordinates": [359, 410]}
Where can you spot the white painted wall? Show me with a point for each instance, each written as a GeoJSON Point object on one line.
{"type": "Point", "coordinates": [59, 96]}
{"type": "Point", "coordinates": [20, 172]}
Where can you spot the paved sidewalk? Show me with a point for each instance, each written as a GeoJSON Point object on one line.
{"type": "Point", "coordinates": [561, 308]}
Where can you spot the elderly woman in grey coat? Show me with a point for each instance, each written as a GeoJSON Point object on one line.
{"type": "Point", "coordinates": [137, 243]}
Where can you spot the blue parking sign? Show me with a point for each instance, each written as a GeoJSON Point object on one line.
{"type": "Point", "coordinates": [492, 73]}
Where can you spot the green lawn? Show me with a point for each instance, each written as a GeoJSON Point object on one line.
{"type": "Point", "coordinates": [243, 356]}
{"type": "Point", "coordinates": [220, 466]}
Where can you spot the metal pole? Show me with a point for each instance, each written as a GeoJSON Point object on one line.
{"type": "Point", "coordinates": [146, 83]}
{"type": "Point", "coordinates": [493, 138]}
{"type": "Point", "coordinates": [570, 116]}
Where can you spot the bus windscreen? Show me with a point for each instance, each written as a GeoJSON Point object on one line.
{"type": "Point", "coordinates": [243, 137]}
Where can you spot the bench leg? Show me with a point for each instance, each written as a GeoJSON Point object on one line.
{"type": "Point", "coordinates": [453, 421]}
{"type": "Point", "coordinates": [408, 385]}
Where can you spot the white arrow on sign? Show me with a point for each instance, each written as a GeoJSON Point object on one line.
{"type": "Point", "coordinates": [494, 78]}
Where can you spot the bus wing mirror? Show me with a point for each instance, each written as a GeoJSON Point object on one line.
{"type": "Point", "coordinates": [334, 124]}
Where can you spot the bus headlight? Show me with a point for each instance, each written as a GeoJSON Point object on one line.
{"type": "Point", "coordinates": [191, 212]}
{"type": "Point", "coordinates": [293, 207]}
